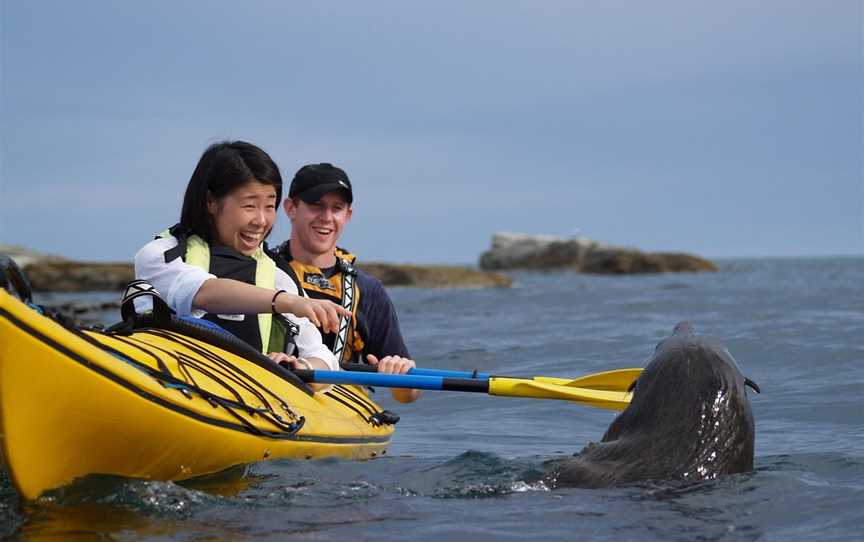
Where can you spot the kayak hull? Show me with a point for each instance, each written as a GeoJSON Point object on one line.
{"type": "Point", "coordinates": [156, 404]}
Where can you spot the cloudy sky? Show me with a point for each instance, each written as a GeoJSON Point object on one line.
{"type": "Point", "coordinates": [720, 128]}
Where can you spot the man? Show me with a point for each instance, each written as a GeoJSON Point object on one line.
{"type": "Point", "coordinates": [319, 207]}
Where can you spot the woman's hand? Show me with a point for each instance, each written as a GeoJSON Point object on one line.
{"type": "Point", "coordinates": [289, 362]}
{"type": "Point", "coordinates": [294, 363]}
{"type": "Point", "coordinates": [321, 312]}
{"type": "Point", "coordinates": [396, 365]}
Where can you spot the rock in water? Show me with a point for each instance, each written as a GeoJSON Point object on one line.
{"type": "Point", "coordinates": [545, 252]}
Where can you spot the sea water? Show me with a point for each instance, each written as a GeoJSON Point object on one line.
{"type": "Point", "coordinates": [461, 466]}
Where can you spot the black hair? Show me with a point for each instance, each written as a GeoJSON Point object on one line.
{"type": "Point", "coordinates": [223, 167]}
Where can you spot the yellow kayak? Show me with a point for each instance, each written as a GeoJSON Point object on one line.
{"type": "Point", "coordinates": [167, 402]}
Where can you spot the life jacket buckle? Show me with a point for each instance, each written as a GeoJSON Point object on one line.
{"type": "Point", "coordinates": [142, 289]}
{"type": "Point", "coordinates": [343, 265]}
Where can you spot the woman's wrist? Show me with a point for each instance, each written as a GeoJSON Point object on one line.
{"type": "Point", "coordinates": [285, 302]}
{"type": "Point", "coordinates": [273, 301]}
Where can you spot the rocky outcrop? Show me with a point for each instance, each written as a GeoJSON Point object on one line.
{"type": "Point", "coordinates": [55, 274]}
{"type": "Point", "coordinates": [520, 251]}
{"type": "Point", "coordinates": [69, 276]}
{"type": "Point", "coordinates": [620, 261]}
{"type": "Point", "coordinates": [435, 276]}
{"type": "Point", "coordinates": [24, 257]}
{"type": "Point", "coordinates": [543, 252]}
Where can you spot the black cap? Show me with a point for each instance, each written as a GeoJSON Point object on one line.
{"type": "Point", "coordinates": [314, 180]}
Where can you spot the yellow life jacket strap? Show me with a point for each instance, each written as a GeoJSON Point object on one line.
{"type": "Point", "coordinates": [265, 276]}
{"type": "Point", "coordinates": [198, 252]}
{"type": "Point", "coordinates": [345, 255]}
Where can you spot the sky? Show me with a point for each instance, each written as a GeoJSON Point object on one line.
{"type": "Point", "coordinates": [724, 129]}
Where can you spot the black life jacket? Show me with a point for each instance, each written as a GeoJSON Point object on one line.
{"type": "Point", "coordinates": [262, 331]}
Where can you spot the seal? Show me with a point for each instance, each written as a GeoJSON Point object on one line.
{"type": "Point", "coordinates": [689, 420]}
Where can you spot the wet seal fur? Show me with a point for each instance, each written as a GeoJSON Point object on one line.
{"type": "Point", "coordinates": [689, 420]}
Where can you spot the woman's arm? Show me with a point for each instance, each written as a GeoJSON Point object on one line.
{"type": "Point", "coordinates": [230, 296]}
{"type": "Point", "coordinates": [189, 290]}
{"type": "Point", "coordinates": [176, 281]}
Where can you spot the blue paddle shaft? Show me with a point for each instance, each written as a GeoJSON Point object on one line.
{"type": "Point", "coordinates": [451, 374]}
{"type": "Point", "coordinates": [419, 382]}
{"type": "Point", "coordinates": [362, 367]}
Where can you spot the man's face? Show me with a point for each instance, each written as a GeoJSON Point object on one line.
{"type": "Point", "coordinates": [317, 226]}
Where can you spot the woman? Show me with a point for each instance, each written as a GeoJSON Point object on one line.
{"type": "Point", "coordinates": [213, 263]}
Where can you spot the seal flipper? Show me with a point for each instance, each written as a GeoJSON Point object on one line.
{"type": "Point", "coordinates": [753, 385]}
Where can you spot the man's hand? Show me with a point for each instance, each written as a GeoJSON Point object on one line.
{"type": "Point", "coordinates": [396, 365]}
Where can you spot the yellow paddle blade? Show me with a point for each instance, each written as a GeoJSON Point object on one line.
{"type": "Point", "coordinates": [516, 387]}
{"type": "Point", "coordinates": [617, 380]}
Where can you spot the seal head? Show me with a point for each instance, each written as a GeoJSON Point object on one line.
{"type": "Point", "coordinates": [689, 419]}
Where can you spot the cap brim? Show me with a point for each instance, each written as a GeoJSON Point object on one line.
{"type": "Point", "coordinates": [315, 193]}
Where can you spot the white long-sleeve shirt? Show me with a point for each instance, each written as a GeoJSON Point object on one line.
{"type": "Point", "coordinates": [178, 283]}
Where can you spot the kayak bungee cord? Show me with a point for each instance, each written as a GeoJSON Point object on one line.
{"type": "Point", "coordinates": [229, 371]}
{"type": "Point", "coordinates": [184, 361]}
{"type": "Point", "coordinates": [375, 417]}
{"type": "Point", "coordinates": [266, 411]}
{"type": "Point", "coordinates": [341, 394]}
{"type": "Point", "coordinates": [358, 403]}
{"type": "Point", "coordinates": [164, 376]}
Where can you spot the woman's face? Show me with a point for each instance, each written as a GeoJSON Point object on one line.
{"type": "Point", "coordinates": [245, 216]}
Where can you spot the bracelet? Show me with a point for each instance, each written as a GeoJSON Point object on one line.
{"type": "Point", "coordinates": [273, 301]}
{"type": "Point", "coordinates": [304, 363]}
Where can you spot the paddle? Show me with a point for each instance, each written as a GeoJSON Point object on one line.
{"type": "Point", "coordinates": [616, 380]}
{"type": "Point", "coordinates": [494, 385]}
